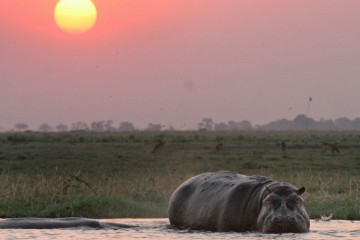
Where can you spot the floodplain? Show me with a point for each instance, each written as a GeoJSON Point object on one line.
{"type": "Point", "coordinates": [119, 175]}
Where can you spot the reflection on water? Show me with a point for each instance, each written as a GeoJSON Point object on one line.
{"type": "Point", "coordinates": [159, 229]}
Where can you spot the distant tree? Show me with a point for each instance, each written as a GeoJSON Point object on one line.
{"type": "Point", "coordinates": [221, 126]}
{"type": "Point", "coordinates": [343, 123]}
{"type": "Point", "coordinates": [234, 126]}
{"type": "Point", "coordinates": [21, 126]}
{"type": "Point", "coordinates": [98, 126]}
{"type": "Point", "coordinates": [61, 127]}
{"type": "Point", "coordinates": [245, 125]}
{"type": "Point", "coordinates": [45, 128]}
{"type": "Point", "coordinates": [79, 126]}
{"type": "Point", "coordinates": [126, 127]}
{"type": "Point", "coordinates": [109, 126]}
{"type": "Point", "coordinates": [206, 123]}
{"type": "Point", "coordinates": [102, 126]}
{"type": "Point", "coordinates": [356, 123]}
{"type": "Point", "coordinates": [278, 125]}
{"type": "Point", "coordinates": [325, 124]}
{"type": "Point", "coordinates": [303, 122]}
{"type": "Point", "coordinates": [171, 128]}
{"type": "Point", "coordinates": [154, 127]}
{"type": "Point", "coordinates": [239, 126]}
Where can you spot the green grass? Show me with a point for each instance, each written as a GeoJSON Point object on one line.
{"type": "Point", "coordinates": [104, 175]}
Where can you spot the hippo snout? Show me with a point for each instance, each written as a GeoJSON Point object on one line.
{"type": "Point", "coordinates": [280, 223]}
{"type": "Point", "coordinates": [283, 223]}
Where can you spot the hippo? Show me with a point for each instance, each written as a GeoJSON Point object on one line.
{"type": "Point", "coordinates": [50, 223]}
{"type": "Point", "coordinates": [227, 201]}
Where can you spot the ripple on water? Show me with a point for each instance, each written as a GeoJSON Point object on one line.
{"type": "Point", "coordinates": [159, 229]}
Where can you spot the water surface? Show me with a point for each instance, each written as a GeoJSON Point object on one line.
{"type": "Point", "coordinates": [159, 229]}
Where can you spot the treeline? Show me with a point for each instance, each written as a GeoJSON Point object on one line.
{"type": "Point", "coordinates": [96, 126]}
{"type": "Point", "coordinates": [300, 122]}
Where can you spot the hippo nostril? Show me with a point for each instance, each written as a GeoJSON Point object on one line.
{"type": "Point", "coordinates": [278, 220]}
{"type": "Point", "coordinates": [290, 220]}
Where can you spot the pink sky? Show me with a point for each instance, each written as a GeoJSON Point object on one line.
{"type": "Point", "coordinates": [175, 62]}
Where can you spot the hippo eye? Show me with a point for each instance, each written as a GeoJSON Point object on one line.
{"type": "Point", "coordinates": [293, 202]}
{"type": "Point", "coordinates": [268, 201]}
{"type": "Point", "coordinates": [276, 203]}
{"type": "Point", "coordinates": [290, 204]}
{"type": "Point", "coordinates": [273, 202]}
{"type": "Point", "coordinates": [296, 200]}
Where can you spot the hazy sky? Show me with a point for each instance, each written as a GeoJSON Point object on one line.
{"type": "Point", "coordinates": [175, 62]}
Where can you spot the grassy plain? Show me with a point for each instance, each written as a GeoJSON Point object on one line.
{"type": "Point", "coordinates": [106, 175]}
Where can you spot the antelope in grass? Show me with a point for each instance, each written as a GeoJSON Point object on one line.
{"type": "Point", "coordinates": [332, 146]}
{"type": "Point", "coordinates": [158, 147]}
{"type": "Point", "coordinates": [219, 147]}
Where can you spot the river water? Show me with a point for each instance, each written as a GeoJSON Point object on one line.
{"type": "Point", "coordinates": [159, 229]}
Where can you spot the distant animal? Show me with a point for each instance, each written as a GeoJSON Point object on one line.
{"type": "Point", "coordinates": [158, 147]}
{"type": "Point", "coordinates": [332, 146]}
{"type": "Point", "coordinates": [228, 201]}
{"type": "Point", "coordinates": [49, 223]}
{"type": "Point", "coordinates": [219, 146]}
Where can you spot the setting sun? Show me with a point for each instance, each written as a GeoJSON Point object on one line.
{"type": "Point", "coordinates": [75, 16]}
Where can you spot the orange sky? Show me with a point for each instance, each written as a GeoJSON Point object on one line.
{"type": "Point", "coordinates": [175, 62]}
{"type": "Point", "coordinates": [36, 17]}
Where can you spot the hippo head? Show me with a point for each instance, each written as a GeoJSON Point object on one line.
{"type": "Point", "coordinates": [283, 211]}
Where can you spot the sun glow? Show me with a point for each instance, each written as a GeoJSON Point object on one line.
{"type": "Point", "coordinates": [75, 16]}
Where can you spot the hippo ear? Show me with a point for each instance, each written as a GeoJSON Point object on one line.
{"type": "Point", "coordinates": [300, 191]}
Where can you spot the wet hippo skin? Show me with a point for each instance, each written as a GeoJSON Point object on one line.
{"type": "Point", "coordinates": [228, 201]}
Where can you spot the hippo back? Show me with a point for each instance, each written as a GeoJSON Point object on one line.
{"type": "Point", "coordinates": [50, 223]}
